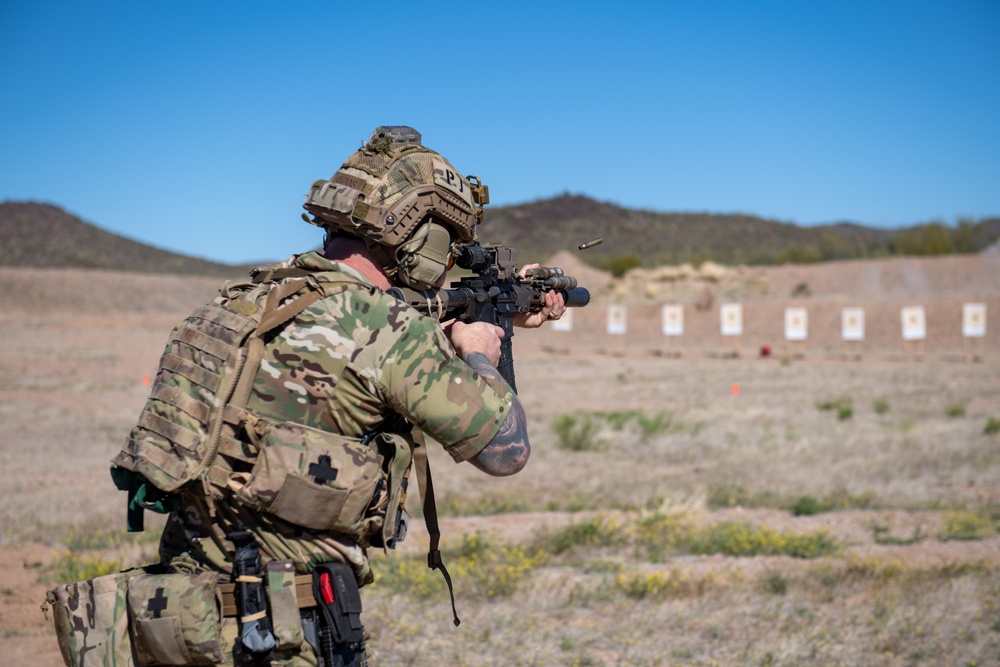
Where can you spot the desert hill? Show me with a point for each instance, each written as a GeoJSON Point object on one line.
{"type": "Point", "coordinates": [646, 238]}
{"type": "Point", "coordinates": [46, 236]}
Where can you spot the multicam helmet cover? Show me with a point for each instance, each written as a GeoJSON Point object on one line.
{"type": "Point", "coordinates": [391, 185]}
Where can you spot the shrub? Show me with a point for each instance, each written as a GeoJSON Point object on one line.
{"type": "Point", "coordinates": [842, 405]}
{"type": "Point", "coordinates": [647, 425]}
{"type": "Point", "coordinates": [775, 584]}
{"type": "Point", "coordinates": [874, 568]}
{"type": "Point", "coordinates": [498, 571]}
{"type": "Point", "coordinates": [955, 410]}
{"type": "Point", "coordinates": [965, 525]}
{"type": "Point", "coordinates": [992, 426]}
{"type": "Point", "coordinates": [577, 432]}
{"type": "Point", "coordinates": [580, 431]}
{"type": "Point", "coordinates": [619, 266]}
{"type": "Point", "coordinates": [619, 419]}
{"type": "Point", "coordinates": [659, 585]}
{"type": "Point", "coordinates": [842, 500]}
{"type": "Point", "coordinates": [801, 290]}
{"type": "Point", "coordinates": [489, 569]}
{"type": "Point", "coordinates": [639, 586]}
{"type": "Point", "coordinates": [880, 405]}
{"type": "Point", "coordinates": [658, 423]}
{"type": "Point", "coordinates": [807, 506]}
{"type": "Point", "coordinates": [596, 532]}
{"type": "Point", "coordinates": [881, 535]}
{"type": "Point", "coordinates": [741, 538]}
{"type": "Point", "coordinates": [660, 535]}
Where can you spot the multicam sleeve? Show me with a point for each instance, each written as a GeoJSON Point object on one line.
{"type": "Point", "coordinates": [439, 392]}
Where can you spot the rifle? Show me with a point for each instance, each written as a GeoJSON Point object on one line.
{"type": "Point", "coordinates": [494, 294]}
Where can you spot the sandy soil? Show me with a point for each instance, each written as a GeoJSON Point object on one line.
{"type": "Point", "coordinates": [79, 346]}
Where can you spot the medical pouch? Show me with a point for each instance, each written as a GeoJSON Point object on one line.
{"type": "Point", "coordinates": [176, 618]}
{"type": "Point", "coordinates": [315, 479]}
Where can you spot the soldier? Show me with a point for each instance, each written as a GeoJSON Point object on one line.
{"type": "Point", "coordinates": [358, 369]}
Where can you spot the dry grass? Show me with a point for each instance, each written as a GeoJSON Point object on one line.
{"type": "Point", "coordinates": [913, 581]}
{"type": "Point", "coordinates": [838, 613]}
{"type": "Point", "coordinates": [908, 593]}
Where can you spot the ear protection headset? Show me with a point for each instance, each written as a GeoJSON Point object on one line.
{"type": "Point", "coordinates": [423, 259]}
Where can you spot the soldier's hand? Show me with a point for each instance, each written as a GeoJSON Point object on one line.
{"type": "Point", "coordinates": [475, 337]}
{"type": "Point", "coordinates": [553, 309]}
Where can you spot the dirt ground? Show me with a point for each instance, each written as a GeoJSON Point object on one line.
{"type": "Point", "coordinates": [79, 347]}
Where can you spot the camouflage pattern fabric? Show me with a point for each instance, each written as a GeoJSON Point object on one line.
{"type": "Point", "coordinates": [347, 365]}
{"type": "Point", "coordinates": [283, 604]}
{"type": "Point", "coordinates": [91, 621]}
{"type": "Point", "coordinates": [176, 618]}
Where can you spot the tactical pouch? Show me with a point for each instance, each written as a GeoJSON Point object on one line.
{"type": "Point", "coordinates": [176, 619]}
{"type": "Point", "coordinates": [91, 620]}
{"type": "Point", "coordinates": [386, 523]}
{"type": "Point", "coordinates": [283, 604]}
{"type": "Point", "coordinates": [311, 478]}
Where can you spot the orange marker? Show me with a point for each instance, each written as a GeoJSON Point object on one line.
{"type": "Point", "coordinates": [145, 380]}
{"type": "Point", "coordinates": [736, 389]}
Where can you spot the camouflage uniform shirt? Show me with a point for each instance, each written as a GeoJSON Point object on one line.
{"type": "Point", "coordinates": [346, 364]}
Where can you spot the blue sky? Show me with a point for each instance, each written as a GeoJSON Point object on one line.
{"type": "Point", "coordinates": [199, 126]}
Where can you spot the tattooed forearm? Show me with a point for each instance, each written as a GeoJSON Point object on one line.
{"type": "Point", "coordinates": [480, 363]}
{"type": "Point", "coordinates": [508, 451]}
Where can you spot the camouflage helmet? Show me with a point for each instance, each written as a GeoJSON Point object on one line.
{"type": "Point", "coordinates": [391, 185]}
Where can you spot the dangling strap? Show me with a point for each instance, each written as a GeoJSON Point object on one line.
{"type": "Point", "coordinates": [434, 561]}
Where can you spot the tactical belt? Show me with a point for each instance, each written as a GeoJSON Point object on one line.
{"type": "Point", "coordinates": [303, 593]}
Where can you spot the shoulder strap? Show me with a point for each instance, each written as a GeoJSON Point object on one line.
{"type": "Point", "coordinates": [423, 467]}
{"type": "Point", "coordinates": [277, 313]}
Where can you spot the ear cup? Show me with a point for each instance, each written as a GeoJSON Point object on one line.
{"type": "Point", "coordinates": [424, 258]}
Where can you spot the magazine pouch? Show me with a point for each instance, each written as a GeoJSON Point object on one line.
{"type": "Point", "coordinates": [282, 600]}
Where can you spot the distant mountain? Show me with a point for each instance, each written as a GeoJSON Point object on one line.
{"type": "Point", "coordinates": [649, 238]}
{"type": "Point", "coordinates": [46, 236]}
{"type": "Point", "coordinates": [43, 235]}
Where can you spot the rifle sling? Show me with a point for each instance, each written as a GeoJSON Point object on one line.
{"type": "Point", "coordinates": [423, 470]}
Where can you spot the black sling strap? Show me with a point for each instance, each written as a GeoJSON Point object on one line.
{"type": "Point", "coordinates": [434, 561]}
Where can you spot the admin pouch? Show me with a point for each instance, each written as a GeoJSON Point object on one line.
{"type": "Point", "coordinates": [196, 433]}
{"type": "Point", "coordinates": [139, 617]}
